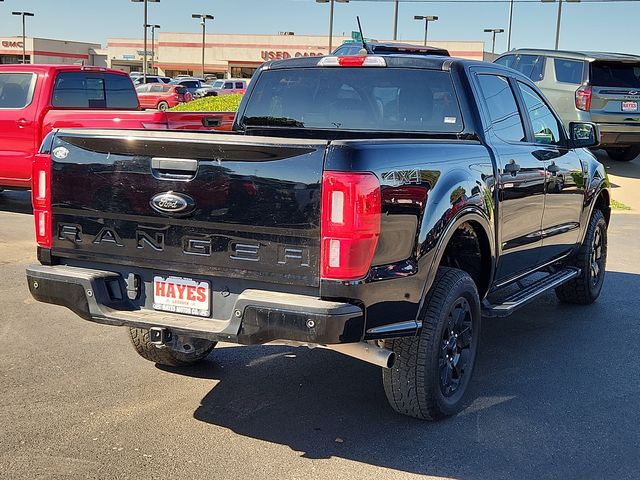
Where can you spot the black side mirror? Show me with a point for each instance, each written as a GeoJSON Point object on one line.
{"type": "Point", "coordinates": [584, 135]}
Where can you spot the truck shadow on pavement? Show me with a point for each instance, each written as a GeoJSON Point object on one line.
{"type": "Point", "coordinates": [16, 201]}
{"type": "Point", "coordinates": [554, 396]}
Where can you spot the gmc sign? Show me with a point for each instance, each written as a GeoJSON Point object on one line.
{"type": "Point", "coordinates": [9, 44]}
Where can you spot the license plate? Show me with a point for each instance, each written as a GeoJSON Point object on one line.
{"type": "Point", "coordinates": [182, 295]}
{"type": "Point", "coordinates": [629, 106]}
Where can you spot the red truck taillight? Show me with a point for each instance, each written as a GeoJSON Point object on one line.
{"type": "Point", "coordinates": [583, 98]}
{"type": "Point", "coordinates": [41, 198]}
{"type": "Point", "coordinates": [350, 224]}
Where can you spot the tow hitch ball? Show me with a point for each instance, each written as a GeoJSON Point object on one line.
{"type": "Point", "coordinates": [159, 336]}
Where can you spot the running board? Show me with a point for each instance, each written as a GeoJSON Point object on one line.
{"type": "Point", "coordinates": [520, 298]}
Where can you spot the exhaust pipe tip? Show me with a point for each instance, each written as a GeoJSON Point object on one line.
{"type": "Point", "coordinates": [391, 361]}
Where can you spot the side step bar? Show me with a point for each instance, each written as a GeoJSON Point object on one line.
{"type": "Point", "coordinates": [511, 303]}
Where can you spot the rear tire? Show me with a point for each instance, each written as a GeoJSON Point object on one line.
{"type": "Point", "coordinates": [591, 259]}
{"type": "Point", "coordinates": [432, 370]}
{"type": "Point", "coordinates": [623, 154]}
{"type": "Point", "coordinates": [166, 355]}
{"type": "Point", "coordinates": [163, 106]}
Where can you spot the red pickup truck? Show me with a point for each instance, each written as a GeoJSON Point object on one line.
{"type": "Point", "coordinates": [35, 99]}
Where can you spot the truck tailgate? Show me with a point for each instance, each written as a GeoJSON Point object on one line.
{"type": "Point", "coordinates": [190, 203]}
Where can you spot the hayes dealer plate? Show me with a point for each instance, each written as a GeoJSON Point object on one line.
{"type": "Point", "coordinates": [182, 295]}
{"type": "Point", "coordinates": [629, 106]}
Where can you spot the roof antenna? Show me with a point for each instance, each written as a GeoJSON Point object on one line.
{"type": "Point", "coordinates": [364, 50]}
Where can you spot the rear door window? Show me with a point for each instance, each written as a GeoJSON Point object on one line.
{"type": "Point", "coordinates": [89, 90]}
{"type": "Point", "coordinates": [16, 89]}
{"type": "Point", "coordinates": [615, 74]}
{"type": "Point", "coordinates": [502, 108]}
{"type": "Point", "coordinates": [568, 71]}
{"type": "Point", "coordinates": [543, 122]}
{"type": "Point", "coordinates": [228, 86]}
{"type": "Point", "coordinates": [239, 85]}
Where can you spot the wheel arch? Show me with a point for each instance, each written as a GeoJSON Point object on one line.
{"type": "Point", "coordinates": [468, 221]}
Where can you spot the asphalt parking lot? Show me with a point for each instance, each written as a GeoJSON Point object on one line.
{"type": "Point", "coordinates": [555, 393]}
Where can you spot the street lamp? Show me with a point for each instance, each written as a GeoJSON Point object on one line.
{"type": "Point", "coordinates": [395, 19]}
{"type": "Point", "coordinates": [153, 44]}
{"type": "Point", "coordinates": [144, 25]}
{"type": "Point", "coordinates": [331, 19]}
{"type": "Point", "coordinates": [560, 2]}
{"type": "Point", "coordinates": [427, 19]}
{"type": "Point", "coordinates": [494, 31]}
{"type": "Point", "coordinates": [510, 23]}
{"type": "Point", "coordinates": [24, 33]}
{"type": "Point", "coordinates": [203, 21]}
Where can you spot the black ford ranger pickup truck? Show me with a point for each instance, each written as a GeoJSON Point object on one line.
{"type": "Point", "coordinates": [377, 206]}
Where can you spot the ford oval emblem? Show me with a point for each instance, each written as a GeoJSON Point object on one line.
{"type": "Point", "coordinates": [60, 153]}
{"type": "Point", "coordinates": [171, 203]}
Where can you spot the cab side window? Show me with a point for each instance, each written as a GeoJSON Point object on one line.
{"type": "Point", "coordinates": [546, 129]}
{"type": "Point", "coordinates": [502, 108]}
{"type": "Point", "coordinates": [530, 65]}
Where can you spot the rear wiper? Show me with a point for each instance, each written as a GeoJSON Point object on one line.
{"type": "Point", "coordinates": [272, 122]}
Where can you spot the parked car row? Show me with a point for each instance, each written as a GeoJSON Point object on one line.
{"type": "Point", "coordinates": [162, 96]}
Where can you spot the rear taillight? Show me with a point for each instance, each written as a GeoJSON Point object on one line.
{"type": "Point", "coordinates": [583, 98]}
{"type": "Point", "coordinates": [41, 198]}
{"type": "Point", "coordinates": [350, 224]}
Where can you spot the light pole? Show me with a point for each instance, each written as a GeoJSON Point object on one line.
{"type": "Point", "coordinates": [494, 31]}
{"type": "Point", "coordinates": [24, 33]}
{"type": "Point", "coordinates": [153, 45]}
{"type": "Point", "coordinates": [144, 25]}
{"type": "Point", "coordinates": [331, 19]}
{"type": "Point", "coordinates": [510, 23]}
{"type": "Point", "coordinates": [560, 2]}
{"type": "Point", "coordinates": [427, 19]}
{"type": "Point", "coordinates": [203, 21]}
{"type": "Point", "coordinates": [395, 19]}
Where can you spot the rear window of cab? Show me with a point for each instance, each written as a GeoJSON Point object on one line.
{"type": "Point", "coordinates": [94, 90]}
{"type": "Point", "coordinates": [380, 99]}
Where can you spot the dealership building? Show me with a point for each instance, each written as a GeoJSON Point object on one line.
{"type": "Point", "coordinates": [45, 50]}
{"type": "Point", "coordinates": [229, 55]}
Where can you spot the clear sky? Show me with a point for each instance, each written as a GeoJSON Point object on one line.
{"type": "Point", "coordinates": [612, 25]}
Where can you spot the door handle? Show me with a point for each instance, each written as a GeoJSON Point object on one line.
{"type": "Point", "coordinates": [23, 122]}
{"type": "Point", "coordinates": [211, 122]}
{"type": "Point", "coordinates": [512, 167]}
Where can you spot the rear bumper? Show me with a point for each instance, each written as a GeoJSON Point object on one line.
{"type": "Point", "coordinates": [619, 134]}
{"type": "Point", "coordinates": [258, 316]}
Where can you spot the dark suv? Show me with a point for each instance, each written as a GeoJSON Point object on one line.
{"type": "Point", "coordinates": [603, 88]}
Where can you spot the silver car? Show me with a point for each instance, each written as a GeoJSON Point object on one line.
{"type": "Point", "coordinates": [603, 88]}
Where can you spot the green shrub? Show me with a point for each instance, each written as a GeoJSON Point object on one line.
{"type": "Point", "coordinates": [225, 103]}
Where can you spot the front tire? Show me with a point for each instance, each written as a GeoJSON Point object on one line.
{"type": "Point", "coordinates": [197, 350]}
{"type": "Point", "coordinates": [623, 154]}
{"type": "Point", "coordinates": [163, 106]}
{"type": "Point", "coordinates": [591, 259]}
{"type": "Point", "coordinates": [432, 370]}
